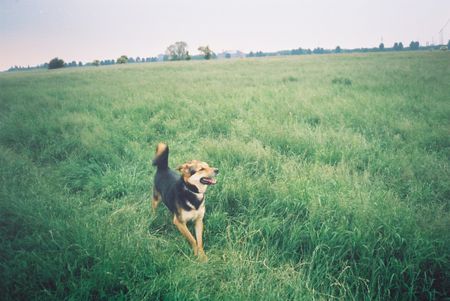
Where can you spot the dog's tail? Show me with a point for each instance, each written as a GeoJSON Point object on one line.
{"type": "Point", "coordinates": [161, 159]}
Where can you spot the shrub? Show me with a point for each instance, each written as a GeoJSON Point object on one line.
{"type": "Point", "coordinates": [56, 63]}
{"type": "Point", "coordinates": [342, 81]}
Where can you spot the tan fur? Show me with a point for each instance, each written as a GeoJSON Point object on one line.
{"type": "Point", "coordinates": [160, 149]}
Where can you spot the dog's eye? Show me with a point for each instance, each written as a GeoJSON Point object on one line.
{"type": "Point", "coordinates": [192, 171]}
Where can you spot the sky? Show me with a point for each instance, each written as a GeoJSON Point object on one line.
{"type": "Point", "coordinates": [34, 31]}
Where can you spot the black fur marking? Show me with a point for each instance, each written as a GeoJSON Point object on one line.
{"type": "Point", "coordinates": [191, 197]}
{"type": "Point", "coordinates": [191, 187]}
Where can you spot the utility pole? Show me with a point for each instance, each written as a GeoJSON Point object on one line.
{"type": "Point", "coordinates": [441, 32]}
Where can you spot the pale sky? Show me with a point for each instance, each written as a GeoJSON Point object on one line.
{"type": "Point", "coordinates": [34, 31]}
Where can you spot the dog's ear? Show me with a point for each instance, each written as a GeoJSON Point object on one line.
{"type": "Point", "coordinates": [182, 167]}
{"type": "Point", "coordinates": [187, 168]}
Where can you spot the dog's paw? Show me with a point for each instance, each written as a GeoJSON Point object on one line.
{"type": "Point", "coordinates": [202, 256]}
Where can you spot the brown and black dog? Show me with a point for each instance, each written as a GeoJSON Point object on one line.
{"type": "Point", "coordinates": [183, 194]}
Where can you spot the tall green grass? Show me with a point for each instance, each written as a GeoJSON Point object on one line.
{"type": "Point", "coordinates": [334, 179]}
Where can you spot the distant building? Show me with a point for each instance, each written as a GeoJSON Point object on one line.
{"type": "Point", "coordinates": [232, 54]}
{"type": "Point", "coordinates": [160, 57]}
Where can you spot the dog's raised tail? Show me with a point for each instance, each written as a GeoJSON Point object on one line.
{"type": "Point", "coordinates": [161, 159]}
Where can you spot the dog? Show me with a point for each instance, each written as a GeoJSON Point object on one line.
{"type": "Point", "coordinates": [184, 195]}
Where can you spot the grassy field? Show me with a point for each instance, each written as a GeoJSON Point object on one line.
{"type": "Point", "coordinates": [334, 182]}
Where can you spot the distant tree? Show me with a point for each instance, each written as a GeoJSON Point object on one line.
{"type": "Point", "coordinates": [297, 51]}
{"type": "Point", "coordinates": [227, 55]}
{"type": "Point", "coordinates": [448, 44]}
{"type": "Point", "coordinates": [177, 51]}
{"type": "Point", "coordinates": [318, 50]}
{"type": "Point", "coordinates": [122, 59]}
{"type": "Point", "coordinates": [55, 63]}
{"type": "Point", "coordinates": [414, 45]}
{"type": "Point", "coordinates": [138, 59]}
{"type": "Point", "coordinates": [398, 46]}
{"type": "Point", "coordinates": [80, 64]}
{"type": "Point", "coordinates": [338, 49]}
{"type": "Point", "coordinates": [381, 46]}
{"type": "Point", "coordinates": [95, 63]}
{"type": "Point", "coordinates": [251, 54]}
{"type": "Point", "coordinates": [207, 52]}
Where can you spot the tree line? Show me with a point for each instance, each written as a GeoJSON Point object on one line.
{"type": "Point", "coordinates": [56, 63]}
{"type": "Point", "coordinates": [398, 46]}
{"type": "Point", "coordinates": [179, 51]}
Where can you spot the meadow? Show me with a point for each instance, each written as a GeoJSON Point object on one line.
{"type": "Point", "coordinates": [334, 179]}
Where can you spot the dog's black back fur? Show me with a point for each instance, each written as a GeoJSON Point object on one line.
{"type": "Point", "coordinates": [175, 193]}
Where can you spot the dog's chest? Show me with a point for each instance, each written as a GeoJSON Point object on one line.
{"type": "Point", "coordinates": [193, 214]}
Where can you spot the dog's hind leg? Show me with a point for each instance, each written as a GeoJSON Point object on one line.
{"type": "Point", "coordinates": [156, 200]}
{"type": "Point", "coordinates": [185, 231]}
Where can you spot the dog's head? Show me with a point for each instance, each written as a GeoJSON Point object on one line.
{"type": "Point", "coordinates": [198, 173]}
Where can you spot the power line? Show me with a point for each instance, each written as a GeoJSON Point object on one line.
{"type": "Point", "coordinates": [441, 32]}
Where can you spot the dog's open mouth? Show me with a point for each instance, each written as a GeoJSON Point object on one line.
{"type": "Point", "coordinates": [208, 181]}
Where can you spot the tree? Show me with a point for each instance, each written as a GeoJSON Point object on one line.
{"type": "Point", "coordinates": [381, 46]}
{"type": "Point", "coordinates": [414, 45]}
{"type": "Point", "coordinates": [177, 51]}
{"type": "Point", "coordinates": [122, 60]}
{"type": "Point", "coordinates": [96, 63]}
{"type": "Point", "coordinates": [207, 52]}
{"type": "Point", "coordinates": [298, 51]}
{"type": "Point", "coordinates": [318, 50]}
{"type": "Point", "coordinates": [55, 63]}
{"type": "Point", "coordinates": [338, 49]}
{"type": "Point", "coordinates": [398, 46]}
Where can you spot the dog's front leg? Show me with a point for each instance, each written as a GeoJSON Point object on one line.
{"type": "Point", "coordinates": [198, 234]}
{"type": "Point", "coordinates": [185, 231]}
